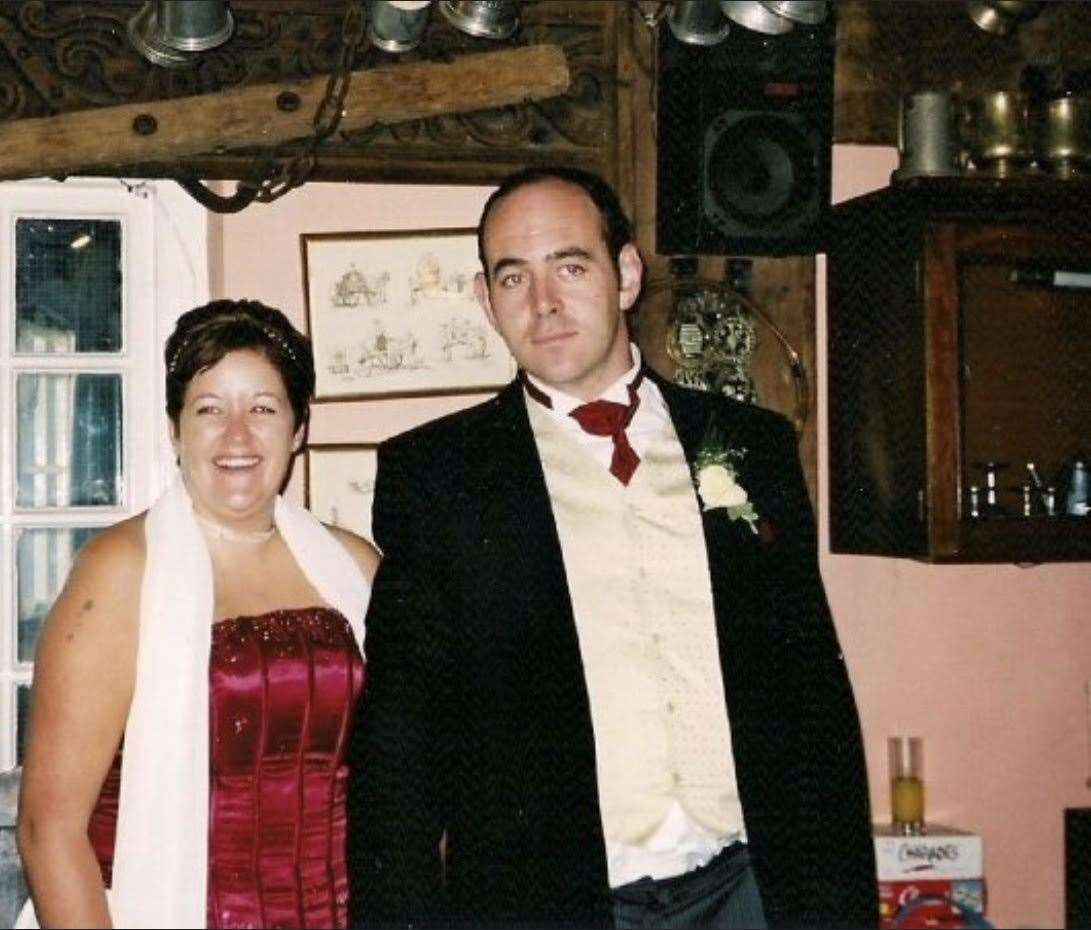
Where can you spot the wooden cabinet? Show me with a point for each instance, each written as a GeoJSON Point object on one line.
{"type": "Point", "coordinates": [951, 346]}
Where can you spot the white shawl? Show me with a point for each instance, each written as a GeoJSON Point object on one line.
{"type": "Point", "coordinates": [161, 852]}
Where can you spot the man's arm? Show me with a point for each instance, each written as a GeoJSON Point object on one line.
{"type": "Point", "coordinates": [397, 763]}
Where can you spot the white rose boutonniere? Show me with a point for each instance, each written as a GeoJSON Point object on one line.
{"type": "Point", "coordinates": [717, 480]}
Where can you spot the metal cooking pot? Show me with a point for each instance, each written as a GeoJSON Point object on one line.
{"type": "Point", "coordinates": [698, 22]}
{"type": "Point", "coordinates": [1000, 17]}
{"type": "Point", "coordinates": [808, 12]}
{"type": "Point", "coordinates": [492, 19]}
{"type": "Point", "coordinates": [752, 15]}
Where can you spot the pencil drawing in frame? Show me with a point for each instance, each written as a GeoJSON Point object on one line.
{"type": "Point", "coordinates": [340, 484]}
{"type": "Point", "coordinates": [393, 314]}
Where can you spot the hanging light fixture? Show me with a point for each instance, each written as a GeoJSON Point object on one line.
{"type": "Point", "coordinates": [397, 25]}
{"type": "Point", "coordinates": [698, 22]}
{"type": "Point", "coordinates": [491, 19]}
{"type": "Point", "coordinates": [751, 14]}
{"type": "Point", "coordinates": [170, 33]}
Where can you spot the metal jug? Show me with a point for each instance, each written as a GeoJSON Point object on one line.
{"type": "Point", "coordinates": [1062, 142]}
{"type": "Point", "coordinates": [927, 135]}
{"type": "Point", "coordinates": [997, 132]}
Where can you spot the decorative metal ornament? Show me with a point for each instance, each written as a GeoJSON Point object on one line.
{"type": "Point", "coordinates": [489, 19]}
{"type": "Point", "coordinates": [711, 339]}
{"type": "Point", "coordinates": [712, 334]}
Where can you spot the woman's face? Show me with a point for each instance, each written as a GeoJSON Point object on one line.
{"type": "Point", "coordinates": [235, 439]}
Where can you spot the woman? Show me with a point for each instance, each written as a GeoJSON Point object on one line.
{"type": "Point", "coordinates": [196, 678]}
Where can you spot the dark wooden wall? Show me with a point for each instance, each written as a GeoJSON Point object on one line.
{"type": "Point", "coordinates": [58, 56]}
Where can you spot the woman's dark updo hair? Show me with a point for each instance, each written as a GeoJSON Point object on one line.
{"type": "Point", "coordinates": [206, 334]}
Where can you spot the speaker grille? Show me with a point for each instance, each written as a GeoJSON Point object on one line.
{"type": "Point", "coordinates": [760, 172]}
{"type": "Point", "coordinates": [744, 143]}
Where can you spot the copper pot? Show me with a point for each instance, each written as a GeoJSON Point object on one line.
{"type": "Point", "coordinates": [997, 132]}
{"type": "Point", "coordinates": [1063, 135]}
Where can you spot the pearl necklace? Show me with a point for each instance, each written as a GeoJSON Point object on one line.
{"type": "Point", "coordinates": [218, 531]}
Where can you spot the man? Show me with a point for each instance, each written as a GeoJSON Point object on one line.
{"type": "Point", "coordinates": [604, 686]}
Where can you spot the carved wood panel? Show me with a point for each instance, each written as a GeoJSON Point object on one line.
{"type": "Point", "coordinates": [74, 55]}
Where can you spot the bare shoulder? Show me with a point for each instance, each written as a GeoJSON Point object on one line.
{"type": "Point", "coordinates": [105, 580]}
{"type": "Point", "coordinates": [364, 553]}
{"type": "Point", "coordinates": [97, 611]}
{"type": "Point", "coordinates": [119, 549]}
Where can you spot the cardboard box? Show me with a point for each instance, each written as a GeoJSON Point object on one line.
{"type": "Point", "coordinates": [942, 852]}
{"type": "Point", "coordinates": [940, 912]}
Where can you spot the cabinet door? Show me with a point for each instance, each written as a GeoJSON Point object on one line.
{"type": "Point", "coordinates": [1009, 385]}
{"type": "Point", "coordinates": [877, 449]}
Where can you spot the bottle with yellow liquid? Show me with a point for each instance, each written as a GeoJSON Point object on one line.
{"type": "Point", "coordinates": [906, 784]}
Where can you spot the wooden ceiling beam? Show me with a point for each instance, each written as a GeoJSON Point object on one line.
{"type": "Point", "coordinates": [250, 116]}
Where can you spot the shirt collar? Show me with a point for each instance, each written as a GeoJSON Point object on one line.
{"type": "Point", "coordinates": [618, 392]}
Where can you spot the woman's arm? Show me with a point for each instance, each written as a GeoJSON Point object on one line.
{"type": "Point", "coordinates": [83, 682]}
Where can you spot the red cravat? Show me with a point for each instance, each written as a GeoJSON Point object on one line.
{"type": "Point", "coordinates": [605, 418]}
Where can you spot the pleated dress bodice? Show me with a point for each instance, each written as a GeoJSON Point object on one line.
{"type": "Point", "coordinates": [283, 689]}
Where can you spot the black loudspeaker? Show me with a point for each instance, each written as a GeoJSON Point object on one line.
{"type": "Point", "coordinates": [1077, 856]}
{"type": "Point", "coordinates": [743, 140]}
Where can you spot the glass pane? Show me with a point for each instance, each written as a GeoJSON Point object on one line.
{"type": "Point", "coordinates": [43, 558]}
{"type": "Point", "coordinates": [22, 718]}
{"type": "Point", "coordinates": [68, 440]}
{"type": "Point", "coordinates": [67, 285]}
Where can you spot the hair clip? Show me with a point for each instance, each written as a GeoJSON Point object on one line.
{"type": "Point", "coordinates": [281, 341]}
{"type": "Point", "coordinates": [173, 363]}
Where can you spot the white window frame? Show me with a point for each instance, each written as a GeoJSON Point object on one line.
{"type": "Point", "coordinates": [165, 237]}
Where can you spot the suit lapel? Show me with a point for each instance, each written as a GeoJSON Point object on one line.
{"type": "Point", "coordinates": [508, 482]}
{"type": "Point", "coordinates": [505, 463]}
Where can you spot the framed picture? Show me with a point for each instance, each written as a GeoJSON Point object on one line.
{"type": "Point", "coordinates": [393, 314]}
{"type": "Point", "coordinates": [340, 485]}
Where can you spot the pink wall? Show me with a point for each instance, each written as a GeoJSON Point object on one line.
{"type": "Point", "coordinates": [260, 258]}
{"type": "Point", "coordinates": [988, 664]}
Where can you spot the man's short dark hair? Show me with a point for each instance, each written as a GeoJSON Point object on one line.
{"type": "Point", "coordinates": [617, 230]}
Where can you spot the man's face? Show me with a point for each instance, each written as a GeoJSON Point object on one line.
{"type": "Point", "coordinates": [553, 293]}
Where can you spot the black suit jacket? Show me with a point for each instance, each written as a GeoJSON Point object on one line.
{"type": "Point", "coordinates": [476, 723]}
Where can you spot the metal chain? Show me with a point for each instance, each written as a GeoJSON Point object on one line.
{"type": "Point", "coordinates": [273, 180]}
{"type": "Point", "coordinates": [274, 174]}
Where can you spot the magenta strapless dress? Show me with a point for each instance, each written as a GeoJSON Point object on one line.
{"type": "Point", "coordinates": [283, 689]}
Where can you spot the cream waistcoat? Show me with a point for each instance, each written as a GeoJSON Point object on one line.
{"type": "Point", "coordinates": [638, 578]}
